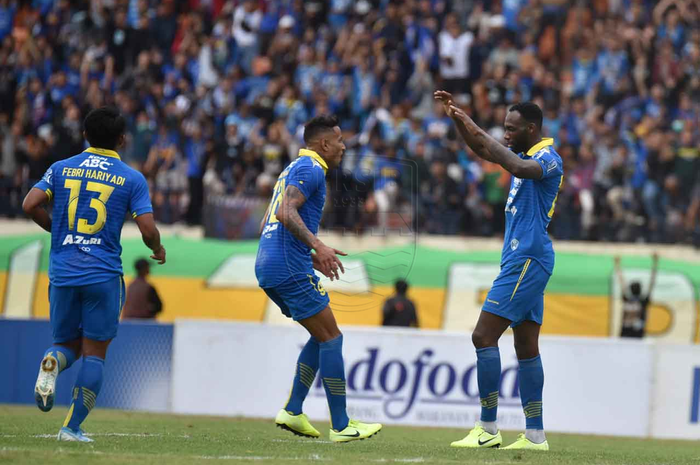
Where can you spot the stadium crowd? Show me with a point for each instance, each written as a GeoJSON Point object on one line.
{"type": "Point", "coordinates": [216, 92]}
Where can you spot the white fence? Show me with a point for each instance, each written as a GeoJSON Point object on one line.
{"type": "Point", "coordinates": [595, 386]}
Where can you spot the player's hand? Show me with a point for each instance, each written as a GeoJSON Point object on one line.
{"type": "Point", "coordinates": [317, 266]}
{"type": "Point", "coordinates": [328, 262]}
{"type": "Point", "coordinates": [458, 113]}
{"type": "Point", "coordinates": [655, 257]}
{"type": "Point", "coordinates": [617, 260]}
{"type": "Point", "coordinates": [446, 99]}
{"type": "Point", "coordinates": [159, 255]}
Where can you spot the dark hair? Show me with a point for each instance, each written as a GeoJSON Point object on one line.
{"type": "Point", "coordinates": [401, 286]}
{"type": "Point", "coordinates": [141, 265]}
{"type": "Point", "coordinates": [636, 288]}
{"type": "Point", "coordinates": [104, 127]}
{"type": "Point", "coordinates": [318, 125]}
{"type": "Point", "coordinates": [530, 112]}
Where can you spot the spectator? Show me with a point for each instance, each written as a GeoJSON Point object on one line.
{"type": "Point", "coordinates": [399, 310]}
{"type": "Point", "coordinates": [195, 154]}
{"type": "Point", "coordinates": [9, 169]}
{"type": "Point", "coordinates": [455, 46]}
{"type": "Point", "coordinates": [142, 300]}
{"type": "Point", "coordinates": [387, 182]}
{"type": "Point", "coordinates": [246, 22]}
{"type": "Point", "coordinates": [635, 304]}
{"type": "Point", "coordinates": [619, 83]}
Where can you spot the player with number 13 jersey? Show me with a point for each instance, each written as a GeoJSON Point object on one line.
{"type": "Point", "coordinates": [92, 193]}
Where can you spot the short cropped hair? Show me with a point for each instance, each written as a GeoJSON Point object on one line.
{"type": "Point", "coordinates": [401, 286]}
{"type": "Point", "coordinates": [141, 265]}
{"type": "Point", "coordinates": [530, 112]}
{"type": "Point", "coordinates": [104, 127]}
{"type": "Point", "coordinates": [318, 125]}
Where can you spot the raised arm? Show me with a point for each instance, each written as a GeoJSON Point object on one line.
{"type": "Point", "coordinates": [488, 148]}
{"type": "Point", "coordinates": [618, 274]}
{"type": "Point", "coordinates": [288, 214]}
{"type": "Point", "coordinates": [447, 103]}
{"type": "Point", "coordinates": [654, 272]}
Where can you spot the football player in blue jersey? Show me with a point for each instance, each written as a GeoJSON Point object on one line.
{"type": "Point", "coordinates": [92, 193]}
{"type": "Point", "coordinates": [288, 253]}
{"type": "Point", "coordinates": [516, 298]}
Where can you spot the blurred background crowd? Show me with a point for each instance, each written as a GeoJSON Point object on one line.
{"type": "Point", "coordinates": [216, 92]}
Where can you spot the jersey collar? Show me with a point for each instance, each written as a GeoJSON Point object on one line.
{"type": "Point", "coordinates": [546, 142]}
{"type": "Point", "coordinates": [103, 152]}
{"type": "Point", "coordinates": [315, 156]}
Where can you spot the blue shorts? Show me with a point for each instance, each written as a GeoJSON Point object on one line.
{"type": "Point", "coordinates": [299, 297]}
{"type": "Point", "coordinates": [517, 293]}
{"type": "Point", "coordinates": [90, 311]}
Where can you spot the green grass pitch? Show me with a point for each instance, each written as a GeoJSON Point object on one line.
{"type": "Point", "coordinates": [27, 436]}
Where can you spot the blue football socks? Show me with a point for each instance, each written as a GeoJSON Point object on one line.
{"type": "Point", "coordinates": [307, 366]}
{"type": "Point", "coordinates": [333, 374]}
{"type": "Point", "coordinates": [488, 372]}
{"type": "Point", "coordinates": [87, 387]}
{"type": "Point", "coordinates": [531, 377]}
{"type": "Point", "coordinates": [64, 355]}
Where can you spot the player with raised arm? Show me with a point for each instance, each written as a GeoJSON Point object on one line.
{"type": "Point", "coordinates": [288, 253]}
{"type": "Point", "coordinates": [635, 305]}
{"type": "Point", "coordinates": [92, 193]}
{"type": "Point", "coordinates": [516, 298]}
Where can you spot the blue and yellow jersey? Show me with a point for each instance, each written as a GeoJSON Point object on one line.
{"type": "Point", "coordinates": [92, 193]}
{"type": "Point", "coordinates": [282, 256]}
{"type": "Point", "coordinates": [530, 208]}
{"type": "Point", "coordinates": [388, 171]}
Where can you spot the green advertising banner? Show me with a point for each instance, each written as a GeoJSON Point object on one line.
{"type": "Point", "coordinates": [216, 279]}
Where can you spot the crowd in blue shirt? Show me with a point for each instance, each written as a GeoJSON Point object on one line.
{"type": "Point", "coordinates": [216, 93]}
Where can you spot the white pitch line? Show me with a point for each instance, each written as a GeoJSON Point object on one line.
{"type": "Point", "coordinates": [408, 460]}
{"type": "Point", "coordinates": [312, 457]}
{"type": "Point", "coordinates": [234, 457]}
{"type": "Point", "coordinates": [310, 442]}
{"type": "Point", "coordinates": [118, 435]}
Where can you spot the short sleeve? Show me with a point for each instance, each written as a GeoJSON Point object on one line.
{"type": "Point", "coordinates": [140, 201]}
{"type": "Point", "coordinates": [549, 162]}
{"type": "Point", "coordinates": [46, 183]}
{"type": "Point", "coordinates": [307, 178]}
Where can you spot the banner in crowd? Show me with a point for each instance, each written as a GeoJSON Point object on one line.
{"type": "Point", "coordinates": [232, 217]}
{"type": "Point", "coordinates": [216, 279]}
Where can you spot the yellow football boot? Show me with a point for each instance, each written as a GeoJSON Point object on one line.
{"type": "Point", "coordinates": [523, 443]}
{"type": "Point", "coordinates": [479, 438]}
{"type": "Point", "coordinates": [355, 431]}
{"type": "Point", "coordinates": [296, 424]}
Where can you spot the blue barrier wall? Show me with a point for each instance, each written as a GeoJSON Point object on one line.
{"type": "Point", "coordinates": [137, 369]}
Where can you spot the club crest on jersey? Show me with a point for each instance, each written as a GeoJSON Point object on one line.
{"type": "Point", "coordinates": [71, 239]}
{"type": "Point", "coordinates": [94, 161]}
{"type": "Point", "coordinates": [514, 244]}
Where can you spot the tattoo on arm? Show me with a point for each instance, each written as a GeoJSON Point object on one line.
{"type": "Point", "coordinates": [289, 216]}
